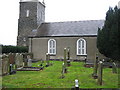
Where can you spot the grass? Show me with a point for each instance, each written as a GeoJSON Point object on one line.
{"type": "Point", "coordinates": [50, 77]}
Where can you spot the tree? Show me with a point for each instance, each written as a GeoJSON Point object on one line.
{"type": "Point", "coordinates": [108, 36]}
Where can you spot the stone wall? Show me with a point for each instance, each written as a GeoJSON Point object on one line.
{"type": "Point", "coordinates": [39, 47]}
{"type": "Point", "coordinates": [28, 23]}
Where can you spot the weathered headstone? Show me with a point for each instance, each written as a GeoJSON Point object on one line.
{"type": "Point", "coordinates": [100, 67]}
{"type": "Point", "coordinates": [5, 65]}
{"type": "Point", "coordinates": [29, 60]}
{"type": "Point", "coordinates": [68, 57]}
{"type": "Point", "coordinates": [65, 60]}
{"type": "Point", "coordinates": [19, 60]}
{"type": "Point", "coordinates": [114, 68]}
{"type": "Point", "coordinates": [11, 57]}
{"type": "Point", "coordinates": [95, 67]}
{"type": "Point", "coordinates": [68, 54]}
{"type": "Point", "coordinates": [63, 70]}
{"type": "Point", "coordinates": [25, 59]}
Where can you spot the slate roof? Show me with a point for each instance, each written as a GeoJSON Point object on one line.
{"type": "Point", "coordinates": [73, 28]}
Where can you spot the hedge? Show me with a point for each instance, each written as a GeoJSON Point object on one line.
{"type": "Point", "coordinates": [14, 49]}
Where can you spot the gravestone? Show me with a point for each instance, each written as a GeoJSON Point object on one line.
{"type": "Point", "coordinates": [114, 68]}
{"type": "Point", "coordinates": [100, 67]}
{"type": "Point", "coordinates": [68, 57]}
{"type": "Point", "coordinates": [95, 67]}
{"type": "Point", "coordinates": [63, 70]}
{"type": "Point", "coordinates": [68, 54]}
{"type": "Point", "coordinates": [65, 60]}
{"type": "Point", "coordinates": [11, 57]}
{"type": "Point", "coordinates": [76, 85]}
{"type": "Point", "coordinates": [29, 60]}
{"type": "Point", "coordinates": [19, 60]}
{"type": "Point", "coordinates": [25, 59]}
{"type": "Point", "coordinates": [5, 64]}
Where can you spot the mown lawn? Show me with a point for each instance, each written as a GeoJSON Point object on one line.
{"type": "Point", "coordinates": [50, 77]}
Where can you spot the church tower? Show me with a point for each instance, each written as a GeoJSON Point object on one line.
{"type": "Point", "coordinates": [31, 15]}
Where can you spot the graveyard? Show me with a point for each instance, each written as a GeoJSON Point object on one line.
{"type": "Point", "coordinates": [20, 70]}
{"type": "Point", "coordinates": [50, 77]}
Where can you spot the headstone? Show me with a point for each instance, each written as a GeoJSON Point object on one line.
{"type": "Point", "coordinates": [68, 57]}
{"type": "Point", "coordinates": [114, 68]}
{"type": "Point", "coordinates": [19, 60]}
{"type": "Point", "coordinates": [65, 60]}
{"type": "Point", "coordinates": [25, 59]}
{"type": "Point", "coordinates": [95, 67]}
{"type": "Point", "coordinates": [29, 61]}
{"type": "Point", "coordinates": [76, 85]}
{"type": "Point", "coordinates": [5, 65]}
{"type": "Point", "coordinates": [68, 54]}
{"type": "Point", "coordinates": [11, 58]}
{"type": "Point", "coordinates": [100, 67]}
{"type": "Point", "coordinates": [63, 70]}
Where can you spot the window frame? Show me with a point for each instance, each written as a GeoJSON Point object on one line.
{"type": "Point", "coordinates": [82, 45]}
{"type": "Point", "coordinates": [53, 46]}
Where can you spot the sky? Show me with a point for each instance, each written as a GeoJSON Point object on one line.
{"type": "Point", "coordinates": [56, 11]}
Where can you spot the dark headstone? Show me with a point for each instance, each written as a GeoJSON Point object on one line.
{"type": "Point", "coordinates": [95, 67]}
{"type": "Point", "coordinates": [11, 57]}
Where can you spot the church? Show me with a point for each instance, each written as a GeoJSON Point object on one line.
{"type": "Point", "coordinates": [52, 37]}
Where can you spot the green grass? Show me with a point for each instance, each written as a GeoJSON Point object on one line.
{"type": "Point", "coordinates": [50, 77]}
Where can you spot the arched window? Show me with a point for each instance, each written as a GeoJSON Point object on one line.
{"type": "Point", "coordinates": [81, 47]}
{"type": "Point", "coordinates": [52, 46]}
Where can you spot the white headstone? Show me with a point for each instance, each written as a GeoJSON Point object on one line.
{"type": "Point", "coordinates": [76, 83]}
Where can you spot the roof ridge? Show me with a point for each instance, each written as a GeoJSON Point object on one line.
{"type": "Point", "coordinates": [72, 21]}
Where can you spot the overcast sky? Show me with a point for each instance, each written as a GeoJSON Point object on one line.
{"type": "Point", "coordinates": [56, 11]}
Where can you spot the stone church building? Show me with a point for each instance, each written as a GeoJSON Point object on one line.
{"type": "Point", "coordinates": [52, 37]}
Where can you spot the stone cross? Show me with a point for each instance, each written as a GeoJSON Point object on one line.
{"type": "Point", "coordinates": [100, 67]}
